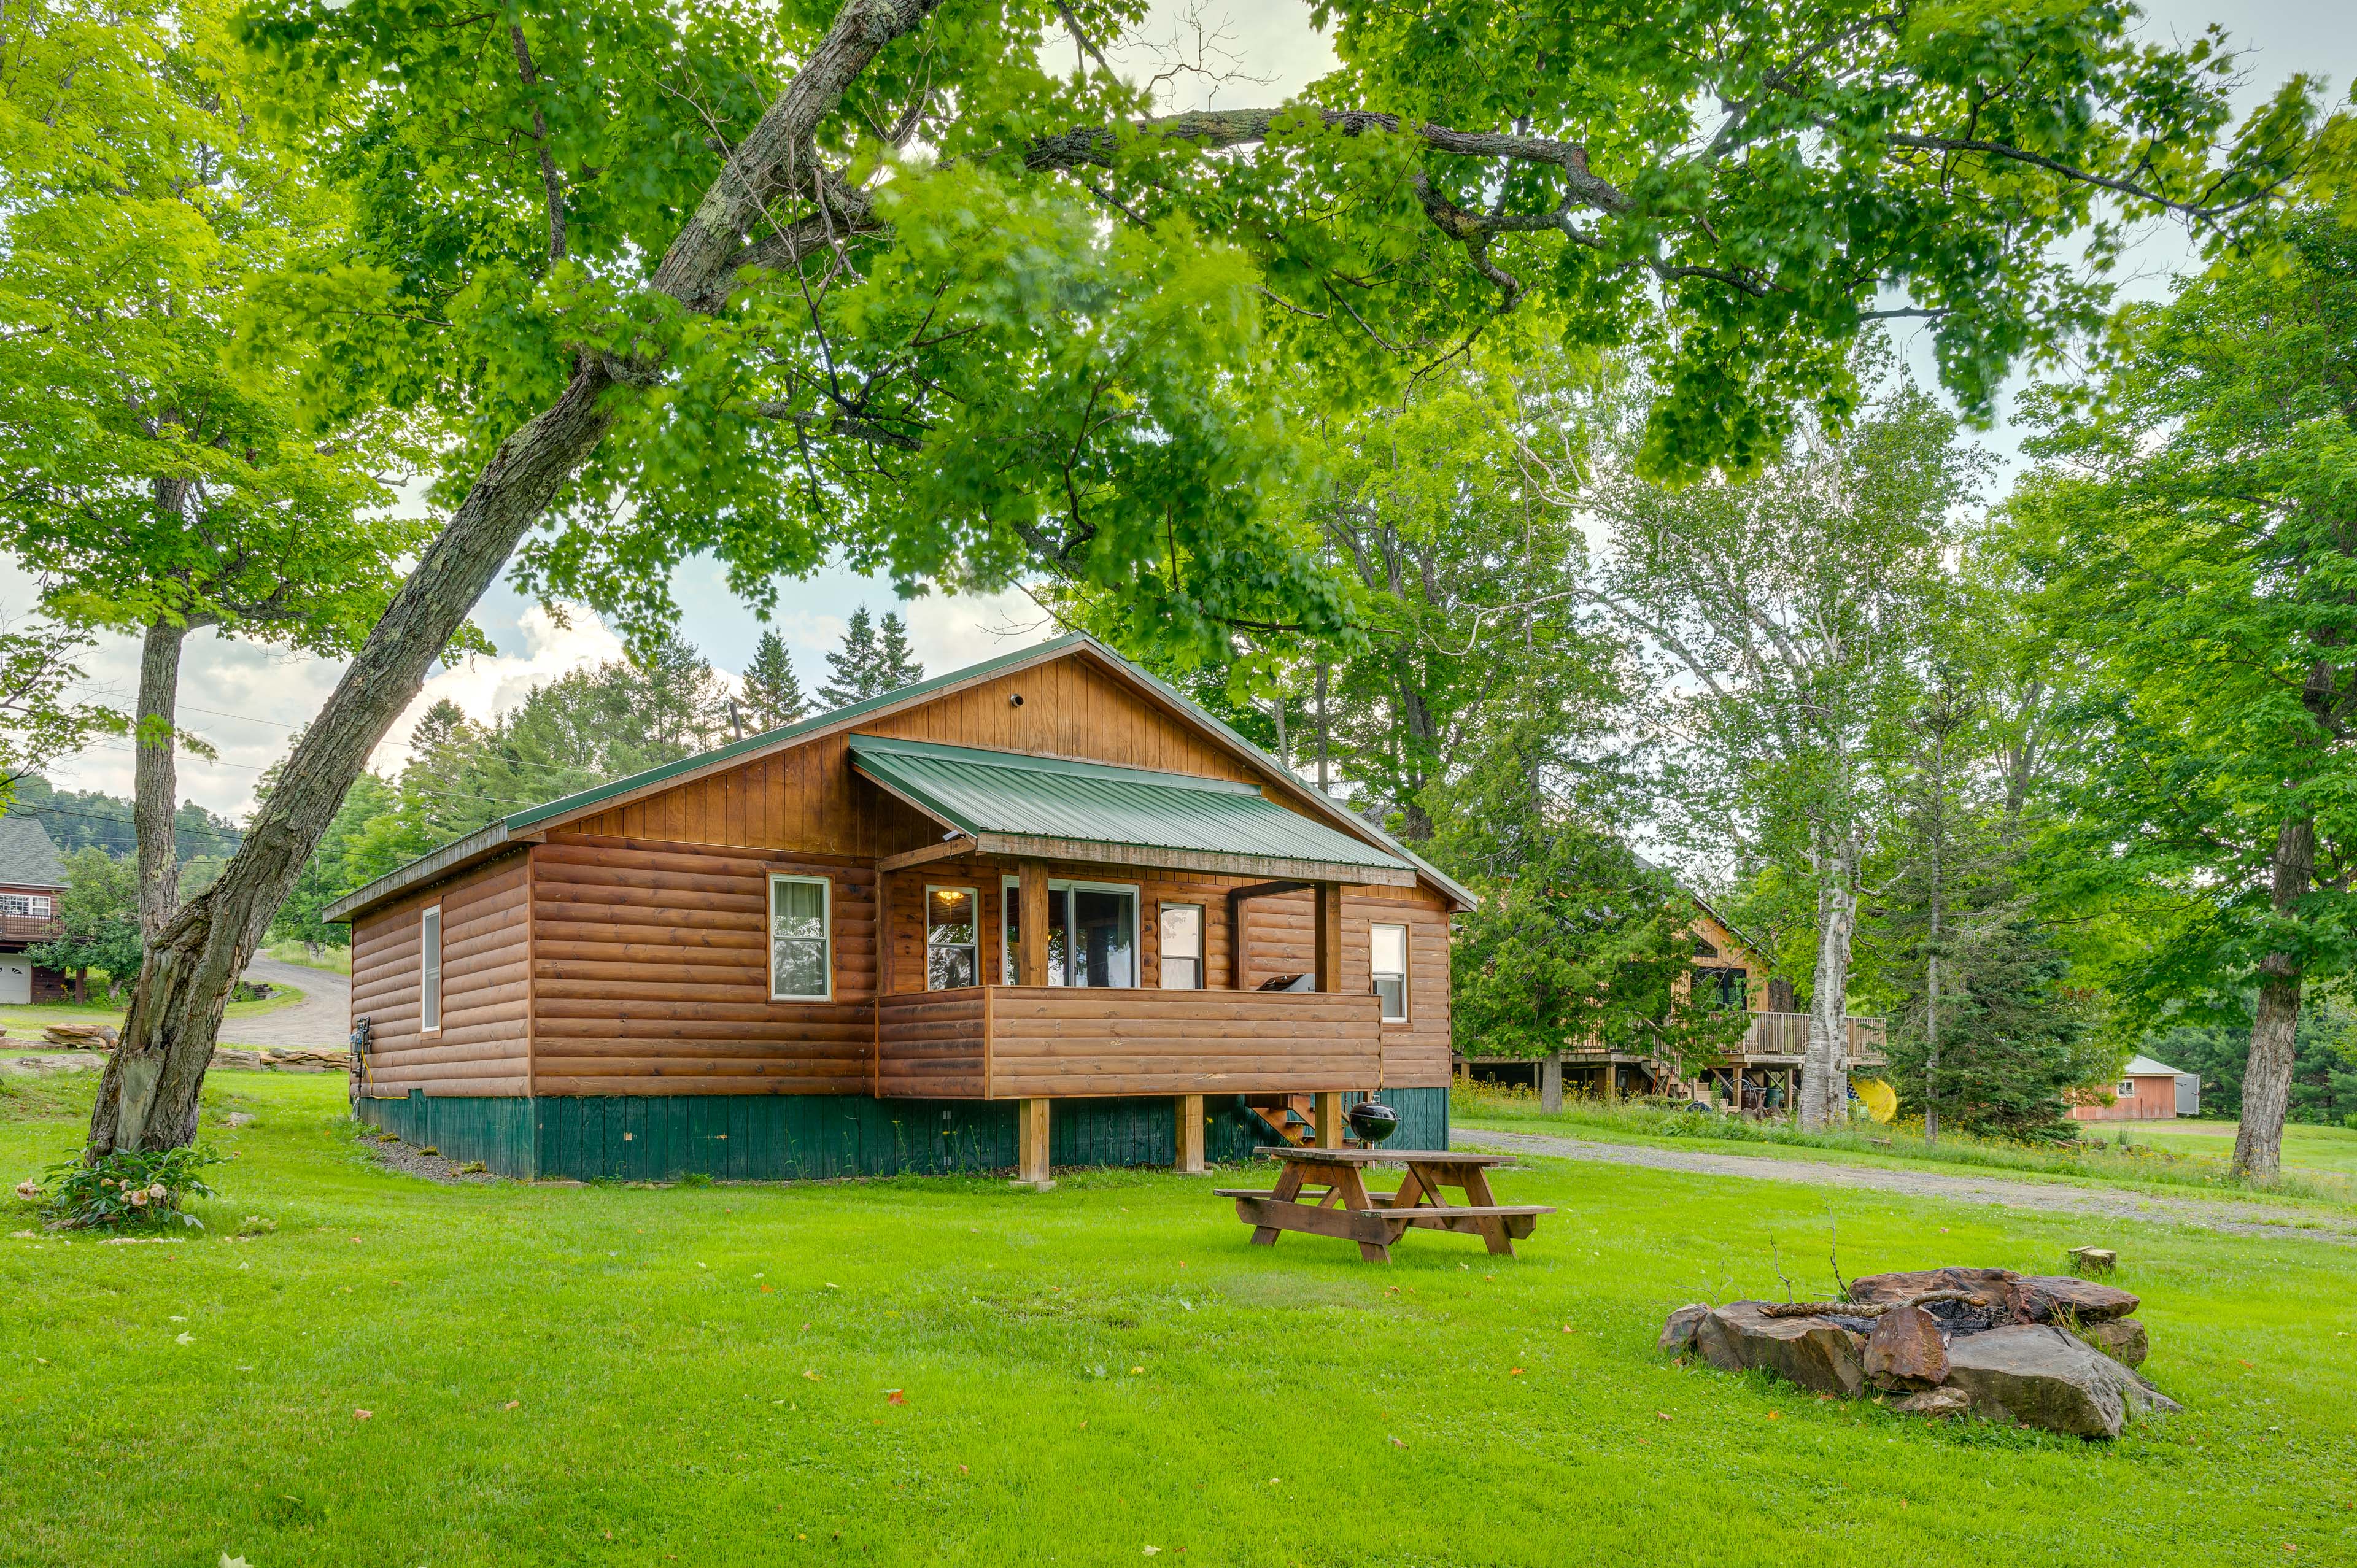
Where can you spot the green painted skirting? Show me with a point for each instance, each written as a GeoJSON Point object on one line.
{"type": "Point", "coordinates": [814, 1137]}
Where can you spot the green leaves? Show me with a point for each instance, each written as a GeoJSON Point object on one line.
{"type": "Point", "coordinates": [2188, 538]}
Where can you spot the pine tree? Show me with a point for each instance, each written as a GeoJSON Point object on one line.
{"type": "Point", "coordinates": [852, 667]}
{"type": "Point", "coordinates": [894, 667]}
{"type": "Point", "coordinates": [773, 696]}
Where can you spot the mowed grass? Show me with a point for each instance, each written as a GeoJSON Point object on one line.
{"type": "Point", "coordinates": [2307, 1148]}
{"type": "Point", "coordinates": [2320, 1169]}
{"type": "Point", "coordinates": [705, 1374]}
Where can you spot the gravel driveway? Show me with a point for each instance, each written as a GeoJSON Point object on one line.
{"type": "Point", "coordinates": [2046, 1198]}
{"type": "Point", "coordinates": [322, 1018]}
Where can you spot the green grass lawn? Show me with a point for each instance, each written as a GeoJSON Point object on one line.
{"type": "Point", "coordinates": [338, 960]}
{"type": "Point", "coordinates": [705, 1374]}
{"type": "Point", "coordinates": [2174, 1158]}
{"type": "Point", "coordinates": [26, 1023]}
{"type": "Point", "coordinates": [2307, 1148]}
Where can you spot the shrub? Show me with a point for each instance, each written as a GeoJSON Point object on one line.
{"type": "Point", "coordinates": [126, 1189]}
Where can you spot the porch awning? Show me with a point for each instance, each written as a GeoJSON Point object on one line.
{"type": "Point", "coordinates": [1047, 808]}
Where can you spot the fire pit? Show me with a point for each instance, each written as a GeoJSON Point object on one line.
{"type": "Point", "coordinates": [2044, 1351]}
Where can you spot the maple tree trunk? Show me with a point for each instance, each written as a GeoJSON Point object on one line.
{"type": "Point", "coordinates": [2267, 1078]}
{"type": "Point", "coordinates": [156, 786]}
{"type": "Point", "coordinates": [148, 1096]}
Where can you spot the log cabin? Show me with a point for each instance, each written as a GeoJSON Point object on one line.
{"type": "Point", "coordinates": [1041, 910]}
{"type": "Point", "coordinates": [1761, 1075]}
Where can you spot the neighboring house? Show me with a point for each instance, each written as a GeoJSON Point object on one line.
{"type": "Point", "coordinates": [31, 880]}
{"type": "Point", "coordinates": [2147, 1091]}
{"type": "Point", "coordinates": [1045, 902]}
{"type": "Point", "coordinates": [1732, 971]}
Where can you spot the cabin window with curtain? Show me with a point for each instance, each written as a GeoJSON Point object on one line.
{"type": "Point", "coordinates": [801, 966]}
{"type": "Point", "coordinates": [429, 990]}
{"type": "Point", "coordinates": [952, 937]}
{"type": "Point", "coordinates": [1387, 952]}
{"type": "Point", "coordinates": [1182, 947]}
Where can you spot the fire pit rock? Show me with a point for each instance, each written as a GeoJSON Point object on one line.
{"type": "Point", "coordinates": [2036, 1350]}
{"type": "Point", "coordinates": [2038, 1375]}
{"type": "Point", "coordinates": [1818, 1353]}
{"type": "Point", "coordinates": [1905, 1350]}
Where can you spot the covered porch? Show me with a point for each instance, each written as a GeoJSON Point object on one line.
{"type": "Point", "coordinates": [1084, 932]}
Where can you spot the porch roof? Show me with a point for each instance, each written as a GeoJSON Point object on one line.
{"type": "Point", "coordinates": [1043, 807]}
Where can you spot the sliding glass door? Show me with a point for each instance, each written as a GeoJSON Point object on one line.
{"type": "Point", "coordinates": [1092, 933]}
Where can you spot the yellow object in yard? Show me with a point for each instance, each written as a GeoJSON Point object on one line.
{"type": "Point", "coordinates": [1881, 1101]}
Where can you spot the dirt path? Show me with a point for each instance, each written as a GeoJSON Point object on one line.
{"type": "Point", "coordinates": [322, 1018]}
{"type": "Point", "coordinates": [2046, 1198]}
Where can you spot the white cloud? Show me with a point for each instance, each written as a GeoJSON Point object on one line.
{"type": "Point", "coordinates": [485, 686]}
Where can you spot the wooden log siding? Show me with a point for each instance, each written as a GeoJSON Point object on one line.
{"type": "Point", "coordinates": [651, 973]}
{"type": "Point", "coordinates": [934, 1045]}
{"type": "Point", "coordinates": [484, 1045]}
{"type": "Point", "coordinates": [1281, 940]}
{"type": "Point", "coordinates": [1050, 1042]}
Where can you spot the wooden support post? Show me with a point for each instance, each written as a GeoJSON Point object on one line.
{"type": "Point", "coordinates": [1031, 1146]}
{"type": "Point", "coordinates": [1032, 936]}
{"type": "Point", "coordinates": [1328, 936]}
{"type": "Point", "coordinates": [1551, 1083]}
{"type": "Point", "coordinates": [1329, 1124]}
{"type": "Point", "coordinates": [1611, 1081]}
{"type": "Point", "coordinates": [1190, 1135]}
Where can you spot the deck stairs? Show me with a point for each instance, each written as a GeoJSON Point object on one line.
{"type": "Point", "coordinates": [1289, 1116]}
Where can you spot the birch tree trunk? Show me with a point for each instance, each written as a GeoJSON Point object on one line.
{"type": "Point", "coordinates": [1824, 1068]}
{"type": "Point", "coordinates": [2266, 1079]}
{"type": "Point", "coordinates": [148, 1097]}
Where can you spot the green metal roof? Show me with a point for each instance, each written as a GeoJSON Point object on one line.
{"type": "Point", "coordinates": [1004, 796]}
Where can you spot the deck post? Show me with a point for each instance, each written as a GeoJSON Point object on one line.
{"type": "Point", "coordinates": [1328, 937]}
{"type": "Point", "coordinates": [1190, 1135]}
{"type": "Point", "coordinates": [1031, 930]}
{"type": "Point", "coordinates": [1329, 1114]}
{"type": "Point", "coordinates": [1551, 1083]}
{"type": "Point", "coordinates": [1031, 1146]}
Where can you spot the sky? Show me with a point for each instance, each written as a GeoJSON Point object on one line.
{"type": "Point", "coordinates": [247, 699]}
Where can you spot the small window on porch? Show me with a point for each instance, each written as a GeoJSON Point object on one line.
{"type": "Point", "coordinates": [952, 937]}
{"type": "Point", "coordinates": [1388, 950]}
{"type": "Point", "coordinates": [1182, 947]}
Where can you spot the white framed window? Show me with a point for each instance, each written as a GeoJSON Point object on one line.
{"type": "Point", "coordinates": [802, 957]}
{"type": "Point", "coordinates": [952, 937]}
{"type": "Point", "coordinates": [429, 989]}
{"type": "Point", "coordinates": [2127, 1089]}
{"type": "Point", "coordinates": [1182, 947]}
{"type": "Point", "coordinates": [1091, 932]}
{"type": "Point", "coordinates": [1387, 951]}
{"type": "Point", "coordinates": [37, 904]}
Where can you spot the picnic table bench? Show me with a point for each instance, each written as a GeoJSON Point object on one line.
{"type": "Point", "coordinates": [1343, 1206]}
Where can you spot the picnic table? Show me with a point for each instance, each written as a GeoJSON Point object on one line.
{"type": "Point", "coordinates": [1343, 1206]}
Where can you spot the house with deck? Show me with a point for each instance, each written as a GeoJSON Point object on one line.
{"type": "Point", "coordinates": [1043, 909]}
{"type": "Point", "coordinates": [32, 880]}
{"type": "Point", "coordinates": [1761, 1074]}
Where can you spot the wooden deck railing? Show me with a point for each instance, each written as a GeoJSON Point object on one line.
{"type": "Point", "coordinates": [1787, 1035]}
{"type": "Point", "coordinates": [1016, 1042]}
{"type": "Point", "coordinates": [30, 928]}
